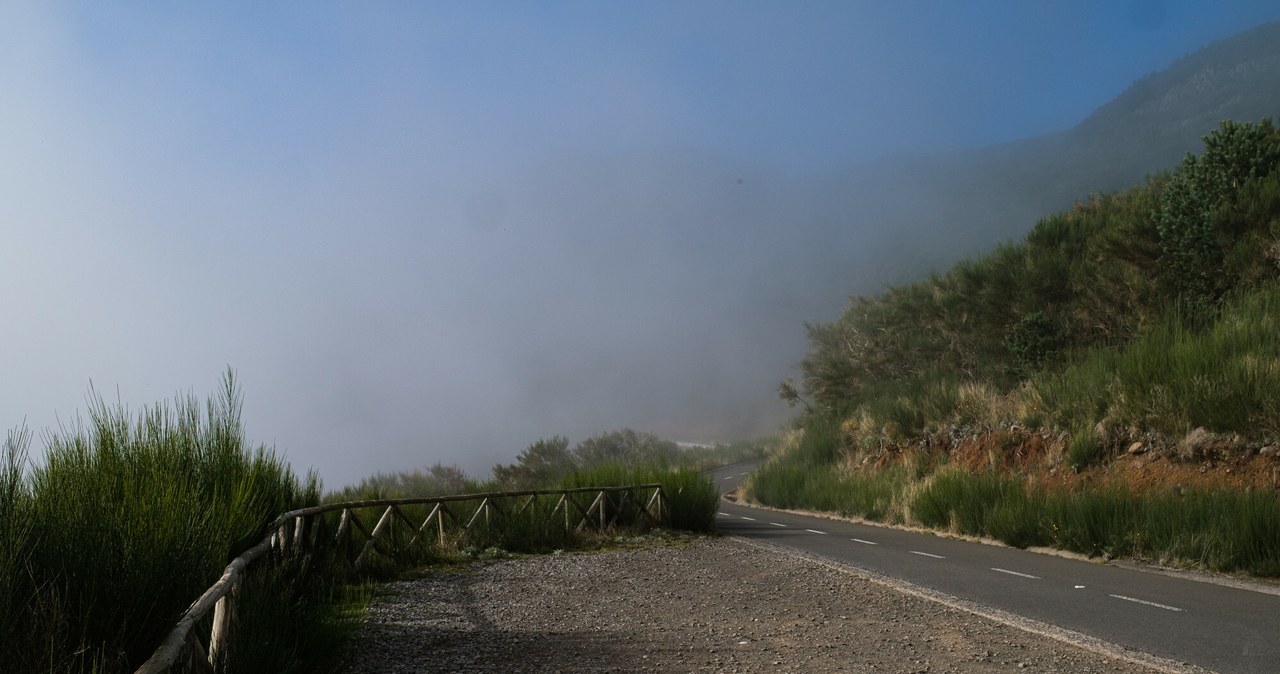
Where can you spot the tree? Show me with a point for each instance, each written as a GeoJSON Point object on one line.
{"type": "Point", "coordinates": [542, 463]}
{"type": "Point", "coordinates": [625, 446]}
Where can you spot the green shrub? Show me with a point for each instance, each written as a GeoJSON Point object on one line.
{"type": "Point", "coordinates": [126, 522]}
{"type": "Point", "coordinates": [691, 497]}
{"type": "Point", "coordinates": [1034, 340]}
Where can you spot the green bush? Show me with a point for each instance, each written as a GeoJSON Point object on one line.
{"type": "Point", "coordinates": [126, 522]}
{"type": "Point", "coordinates": [692, 498]}
{"type": "Point", "coordinates": [1033, 340]}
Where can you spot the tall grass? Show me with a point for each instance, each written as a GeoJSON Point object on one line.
{"type": "Point", "coordinates": [17, 581]}
{"type": "Point", "coordinates": [128, 519]}
{"type": "Point", "coordinates": [293, 614]}
{"type": "Point", "coordinates": [807, 477]}
{"type": "Point", "coordinates": [982, 504]}
{"type": "Point", "coordinates": [1218, 530]}
{"type": "Point", "coordinates": [691, 498]}
{"type": "Point", "coordinates": [1224, 377]}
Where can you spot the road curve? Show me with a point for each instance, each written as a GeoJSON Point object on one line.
{"type": "Point", "coordinates": [1217, 627]}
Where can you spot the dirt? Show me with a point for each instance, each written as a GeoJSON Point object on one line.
{"type": "Point", "coordinates": [717, 605]}
{"type": "Point", "coordinates": [1200, 461]}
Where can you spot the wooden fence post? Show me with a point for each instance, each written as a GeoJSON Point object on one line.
{"type": "Point", "coordinates": [224, 620]}
{"type": "Point", "coordinates": [299, 531]}
{"type": "Point", "coordinates": [373, 536]}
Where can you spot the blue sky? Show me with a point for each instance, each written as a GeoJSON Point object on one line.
{"type": "Point", "coordinates": [434, 231]}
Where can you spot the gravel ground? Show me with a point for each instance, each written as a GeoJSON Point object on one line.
{"type": "Point", "coordinates": [717, 605]}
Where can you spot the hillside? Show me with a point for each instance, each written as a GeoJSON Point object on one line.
{"type": "Point", "coordinates": [1127, 349]}
{"type": "Point", "coordinates": [945, 207]}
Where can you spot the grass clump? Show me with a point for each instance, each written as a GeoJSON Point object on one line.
{"type": "Point", "coordinates": [691, 498]}
{"type": "Point", "coordinates": [1212, 529]}
{"type": "Point", "coordinates": [128, 519]}
{"type": "Point", "coordinates": [805, 477]}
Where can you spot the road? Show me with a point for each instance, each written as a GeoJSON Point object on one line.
{"type": "Point", "coordinates": [1210, 625]}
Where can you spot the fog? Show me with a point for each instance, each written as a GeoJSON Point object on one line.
{"type": "Point", "coordinates": [438, 234]}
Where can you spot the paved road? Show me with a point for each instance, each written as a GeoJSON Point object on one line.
{"type": "Point", "coordinates": [1225, 629]}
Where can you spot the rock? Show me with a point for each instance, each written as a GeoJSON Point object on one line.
{"type": "Point", "coordinates": [1137, 448]}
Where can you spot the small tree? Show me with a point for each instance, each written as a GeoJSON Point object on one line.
{"type": "Point", "coordinates": [542, 463]}
{"type": "Point", "coordinates": [1204, 187]}
{"type": "Point", "coordinates": [625, 446]}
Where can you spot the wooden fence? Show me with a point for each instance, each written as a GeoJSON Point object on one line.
{"type": "Point", "coordinates": [299, 531]}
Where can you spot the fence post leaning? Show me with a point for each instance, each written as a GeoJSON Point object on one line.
{"type": "Point", "coordinates": [373, 536]}
{"type": "Point", "coordinates": [224, 617]}
{"type": "Point", "coordinates": [299, 532]}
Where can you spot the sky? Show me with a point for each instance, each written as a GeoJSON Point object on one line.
{"type": "Point", "coordinates": [436, 232]}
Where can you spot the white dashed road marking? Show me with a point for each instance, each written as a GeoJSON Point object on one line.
{"type": "Point", "coordinates": [777, 525]}
{"type": "Point", "coordinates": [815, 531]}
{"type": "Point", "coordinates": [726, 514]}
{"type": "Point", "coordinates": [926, 554]}
{"type": "Point", "coordinates": [1146, 603]}
{"type": "Point", "coordinates": [749, 519]}
{"type": "Point", "coordinates": [859, 540]}
{"type": "Point", "coordinates": [1015, 573]}
{"type": "Point", "coordinates": [741, 474]}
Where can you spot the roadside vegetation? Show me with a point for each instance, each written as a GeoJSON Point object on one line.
{"type": "Point", "coordinates": [1109, 385]}
{"type": "Point", "coordinates": [125, 522]}
{"type": "Point", "coordinates": [129, 517]}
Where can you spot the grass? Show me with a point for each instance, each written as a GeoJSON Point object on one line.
{"type": "Point", "coordinates": [805, 477]}
{"type": "Point", "coordinates": [1224, 377]}
{"type": "Point", "coordinates": [128, 519]}
{"type": "Point", "coordinates": [131, 516]}
{"type": "Point", "coordinates": [293, 620]}
{"type": "Point", "coordinates": [691, 498]}
{"type": "Point", "coordinates": [1212, 529]}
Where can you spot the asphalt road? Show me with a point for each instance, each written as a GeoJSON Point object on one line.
{"type": "Point", "coordinates": [1221, 628]}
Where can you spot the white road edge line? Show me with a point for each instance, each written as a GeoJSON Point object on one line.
{"type": "Point", "coordinates": [926, 554]}
{"type": "Point", "coordinates": [1015, 573]}
{"type": "Point", "coordinates": [815, 531]}
{"type": "Point", "coordinates": [777, 525]}
{"type": "Point", "coordinates": [1165, 665]}
{"type": "Point", "coordinates": [859, 540]}
{"type": "Point", "coordinates": [749, 519]}
{"type": "Point", "coordinates": [1145, 602]}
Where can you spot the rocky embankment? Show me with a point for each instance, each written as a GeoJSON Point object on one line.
{"type": "Point", "coordinates": [714, 605]}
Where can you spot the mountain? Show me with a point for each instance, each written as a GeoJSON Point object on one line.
{"type": "Point", "coordinates": [944, 207]}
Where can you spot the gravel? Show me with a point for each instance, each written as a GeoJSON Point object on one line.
{"type": "Point", "coordinates": [714, 605]}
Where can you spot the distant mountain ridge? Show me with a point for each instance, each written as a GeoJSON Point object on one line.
{"type": "Point", "coordinates": [1235, 77]}
{"type": "Point", "coordinates": [961, 203]}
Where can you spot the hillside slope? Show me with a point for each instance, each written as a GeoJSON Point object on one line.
{"type": "Point", "coordinates": [1023, 383]}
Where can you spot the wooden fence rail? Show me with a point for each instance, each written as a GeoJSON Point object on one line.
{"type": "Point", "coordinates": [185, 651]}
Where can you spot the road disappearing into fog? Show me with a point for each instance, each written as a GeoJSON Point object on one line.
{"type": "Point", "coordinates": [1224, 628]}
